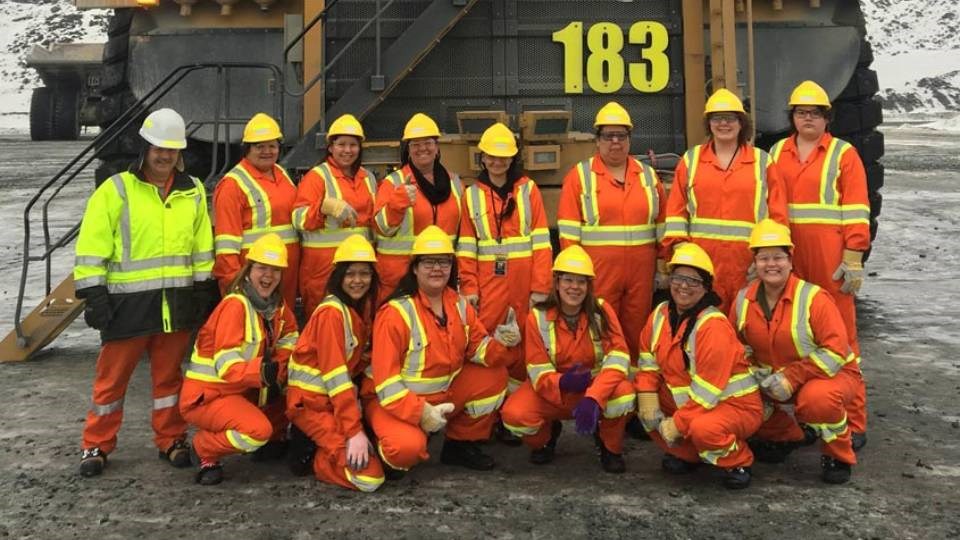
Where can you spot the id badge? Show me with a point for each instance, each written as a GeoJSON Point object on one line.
{"type": "Point", "coordinates": [500, 265]}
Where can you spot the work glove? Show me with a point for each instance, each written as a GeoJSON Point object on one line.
{"type": "Point", "coordinates": [206, 296]}
{"type": "Point", "coordinates": [850, 271]}
{"type": "Point", "coordinates": [760, 373]}
{"type": "Point", "coordinates": [434, 417]}
{"type": "Point", "coordinates": [339, 210]}
{"type": "Point", "coordinates": [777, 386]}
{"type": "Point", "coordinates": [473, 300]}
{"type": "Point", "coordinates": [537, 297]}
{"type": "Point", "coordinates": [752, 272]}
{"type": "Point", "coordinates": [648, 410]}
{"type": "Point", "coordinates": [358, 451]}
{"type": "Point", "coordinates": [97, 311]}
{"type": "Point", "coordinates": [586, 414]}
{"type": "Point", "coordinates": [508, 333]}
{"type": "Point", "coordinates": [748, 352]}
{"type": "Point", "coordinates": [668, 430]}
{"type": "Point", "coordinates": [662, 277]}
{"type": "Point", "coordinates": [575, 381]}
{"type": "Point", "coordinates": [270, 388]}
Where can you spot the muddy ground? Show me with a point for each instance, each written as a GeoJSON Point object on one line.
{"type": "Point", "coordinates": [906, 485]}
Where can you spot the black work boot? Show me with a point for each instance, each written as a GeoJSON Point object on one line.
{"type": "Point", "coordinates": [771, 451]}
{"type": "Point", "coordinates": [177, 455]}
{"type": "Point", "coordinates": [465, 454]}
{"type": "Point", "coordinates": [834, 471]}
{"type": "Point", "coordinates": [271, 451]}
{"type": "Point", "coordinates": [736, 478]}
{"type": "Point", "coordinates": [505, 436]}
{"type": "Point", "coordinates": [92, 462]}
{"type": "Point", "coordinates": [636, 430]}
{"type": "Point", "coordinates": [210, 473]}
{"type": "Point", "coordinates": [674, 465]}
{"type": "Point", "coordinates": [545, 455]}
{"type": "Point", "coordinates": [611, 463]}
{"type": "Point", "coordinates": [858, 439]}
{"type": "Point", "coordinates": [300, 452]}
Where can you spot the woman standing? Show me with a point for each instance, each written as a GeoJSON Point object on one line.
{"type": "Point", "coordinates": [241, 350]}
{"type": "Point", "coordinates": [798, 341]}
{"type": "Point", "coordinates": [578, 362]}
{"type": "Point", "coordinates": [331, 353]}
{"type": "Point", "coordinates": [829, 215]}
{"type": "Point", "coordinates": [695, 392]}
{"type": "Point", "coordinates": [334, 201]}
{"type": "Point", "coordinates": [421, 193]}
{"type": "Point", "coordinates": [255, 198]}
{"type": "Point", "coordinates": [720, 190]}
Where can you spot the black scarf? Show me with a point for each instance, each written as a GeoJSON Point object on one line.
{"type": "Point", "coordinates": [505, 192]}
{"type": "Point", "coordinates": [438, 191]}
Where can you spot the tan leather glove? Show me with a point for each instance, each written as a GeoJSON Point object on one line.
{"type": "Point", "coordinates": [339, 210]}
{"type": "Point", "coordinates": [537, 297]}
{"type": "Point", "coordinates": [473, 300]}
{"type": "Point", "coordinates": [777, 386]}
{"type": "Point", "coordinates": [850, 271]}
{"type": "Point", "coordinates": [668, 430]}
{"type": "Point", "coordinates": [648, 410]}
{"type": "Point", "coordinates": [508, 333]}
{"type": "Point", "coordinates": [434, 417]}
{"type": "Point", "coordinates": [662, 277]}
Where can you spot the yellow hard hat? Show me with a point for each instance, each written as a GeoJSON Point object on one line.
{"type": "Point", "coordinates": [613, 114]}
{"type": "Point", "coordinates": [432, 241]}
{"type": "Point", "coordinates": [769, 233]}
{"type": "Point", "coordinates": [690, 254]}
{"type": "Point", "coordinates": [269, 249]}
{"type": "Point", "coordinates": [355, 248]}
{"type": "Point", "coordinates": [420, 125]}
{"type": "Point", "coordinates": [261, 128]}
{"type": "Point", "coordinates": [809, 93]}
{"type": "Point", "coordinates": [723, 100]}
{"type": "Point", "coordinates": [345, 125]}
{"type": "Point", "coordinates": [574, 260]}
{"type": "Point", "coordinates": [498, 141]}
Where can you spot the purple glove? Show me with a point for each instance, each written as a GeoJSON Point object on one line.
{"type": "Point", "coordinates": [575, 381]}
{"type": "Point", "coordinates": [586, 414]}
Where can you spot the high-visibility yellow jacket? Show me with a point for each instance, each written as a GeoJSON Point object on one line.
{"type": "Point", "coordinates": [147, 251]}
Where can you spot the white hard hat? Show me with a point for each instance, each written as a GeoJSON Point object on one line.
{"type": "Point", "coordinates": [164, 128]}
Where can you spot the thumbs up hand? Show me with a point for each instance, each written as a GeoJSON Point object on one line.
{"type": "Point", "coordinates": [508, 333]}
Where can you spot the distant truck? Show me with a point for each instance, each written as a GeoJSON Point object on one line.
{"type": "Point", "coordinates": [70, 96]}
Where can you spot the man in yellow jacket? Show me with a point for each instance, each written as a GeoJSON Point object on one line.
{"type": "Point", "coordinates": [144, 257]}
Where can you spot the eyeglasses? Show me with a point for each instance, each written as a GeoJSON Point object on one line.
{"type": "Point", "coordinates": [724, 118]}
{"type": "Point", "coordinates": [610, 136]}
{"type": "Point", "coordinates": [775, 258]}
{"type": "Point", "coordinates": [570, 280]}
{"type": "Point", "coordinates": [808, 113]}
{"type": "Point", "coordinates": [692, 282]}
{"type": "Point", "coordinates": [417, 145]}
{"type": "Point", "coordinates": [443, 264]}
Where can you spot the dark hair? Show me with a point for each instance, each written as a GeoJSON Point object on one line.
{"type": "Point", "coordinates": [746, 127]}
{"type": "Point", "coordinates": [590, 306]}
{"type": "Point", "coordinates": [514, 172]}
{"type": "Point", "coordinates": [710, 298]}
{"type": "Point", "coordinates": [335, 287]}
{"type": "Point", "coordinates": [826, 111]}
{"type": "Point", "coordinates": [246, 147]}
{"type": "Point", "coordinates": [356, 164]}
{"type": "Point", "coordinates": [408, 283]}
{"type": "Point", "coordinates": [601, 126]}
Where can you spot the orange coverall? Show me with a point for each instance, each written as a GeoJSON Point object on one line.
{"type": "Point", "coordinates": [713, 398]}
{"type": "Point", "coordinates": [320, 235]}
{"type": "Point", "coordinates": [553, 349]}
{"type": "Point", "coordinates": [829, 212]}
{"type": "Point", "coordinates": [427, 362]}
{"type": "Point", "coordinates": [246, 205]}
{"type": "Point", "coordinates": [397, 223]}
{"type": "Point", "coordinates": [522, 244]}
{"type": "Point", "coordinates": [321, 397]}
{"type": "Point", "coordinates": [617, 226]}
{"type": "Point", "coordinates": [718, 208]}
{"type": "Point", "coordinates": [813, 353]}
{"type": "Point", "coordinates": [224, 374]}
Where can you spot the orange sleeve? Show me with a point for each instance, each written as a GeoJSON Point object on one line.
{"type": "Point", "coordinates": [616, 361]}
{"type": "Point", "coordinates": [542, 278]}
{"type": "Point", "coordinates": [481, 347]}
{"type": "Point", "coordinates": [830, 335]}
{"type": "Point", "coordinates": [677, 219]}
{"type": "Point", "coordinates": [287, 336]}
{"type": "Point", "coordinates": [391, 206]}
{"type": "Point", "coordinates": [467, 252]}
{"type": "Point", "coordinates": [647, 378]}
{"type": "Point", "coordinates": [328, 340]}
{"type": "Point", "coordinates": [543, 375]}
{"type": "Point", "coordinates": [661, 218]}
{"type": "Point", "coordinates": [776, 195]}
{"type": "Point", "coordinates": [569, 217]}
{"type": "Point", "coordinates": [231, 318]}
{"type": "Point", "coordinates": [228, 204]}
{"type": "Point", "coordinates": [390, 338]}
{"type": "Point", "coordinates": [306, 208]}
{"type": "Point", "coordinates": [718, 350]}
{"type": "Point", "coordinates": [852, 186]}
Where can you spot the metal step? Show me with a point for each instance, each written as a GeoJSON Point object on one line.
{"type": "Point", "coordinates": [398, 60]}
{"type": "Point", "coordinates": [44, 323]}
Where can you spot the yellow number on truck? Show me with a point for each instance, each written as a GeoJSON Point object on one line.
{"type": "Point", "coordinates": [606, 68]}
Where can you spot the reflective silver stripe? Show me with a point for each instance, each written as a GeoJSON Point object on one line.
{"type": "Point", "coordinates": [429, 386]}
{"type": "Point", "coordinates": [201, 256]}
{"type": "Point", "coordinates": [700, 228]}
{"type": "Point", "coordinates": [242, 442]}
{"type": "Point", "coordinates": [706, 397]}
{"type": "Point", "coordinates": [392, 390]}
{"type": "Point", "coordinates": [829, 214]}
{"type": "Point", "coordinates": [255, 196]}
{"type": "Point", "coordinates": [676, 227]}
{"type": "Point", "coordinates": [152, 263]}
{"type": "Point", "coordinates": [414, 361]}
{"type": "Point", "coordinates": [620, 406]}
{"type": "Point", "coordinates": [649, 180]}
{"type": "Point", "coordinates": [855, 213]}
{"type": "Point", "coordinates": [523, 208]}
{"type": "Point", "coordinates": [739, 385]}
{"type": "Point", "coordinates": [332, 238]}
{"type": "Point", "coordinates": [338, 382]}
{"type": "Point", "coordinates": [394, 245]}
{"type": "Point", "coordinates": [628, 235]}
{"type": "Point", "coordinates": [691, 158]}
{"type": "Point", "coordinates": [366, 484]}
{"type": "Point", "coordinates": [832, 171]}
{"type": "Point", "coordinates": [616, 360]}
{"type": "Point", "coordinates": [287, 341]}
{"type": "Point", "coordinates": [90, 282]}
{"type": "Point", "coordinates": [285, 232]}
{"type": "Point", "coordinates": [89, 260]}
{"type": "Point", "coordinates": [803, 332]}
{"type": "Point", "coordinates": [741, 308]}
{"type": "Point", "coordinates": [484, 248]}
{"type": "Point", "coordinates": [569, 230]}
{"type": "Point", "coordinates": [150, 284]}
{"type": "Point", "coordinates": [396, 179]}
{"type": "Point", "coordinates": [776, 149]}
{"type": "Point", "coordinates": [118, 183]}
{"type": "Point", "coordinates": [298, 217]}
{"type": "Point", "coordinates": [681, 394]}
{"type": "Point", "coordinates": [165, 402]}
{"type": "Point", "coordinates": [221, 244]}
{"type": "Point", "coordinates": [585, 168]}
{"type": "Point", "coordinates": [112, 407]}
{"type": "Point", "coordinates": [484, 406]}
{"type": "Point", "coordinates": [762, 160]}
{"type": "Point", "coordinates": [659, 317]}
{"type": "Point", "coordinates": [546, 335]}
{"type": "Point", "coordinates": [225, 359]}
{"type": "Point", "coordinates": [535, 371]}
{"type": "Point", "coordinates": [201, 276]}
{"type": "Point", "coordinates": [829, 432]}
{"type": "Point", "coordinates": [521, 431]}
{"type": "Point", "coordinates": [476, 205]}
{"type": "Point", "coordinates": [350, 341]}
{"type": "Point", "coordinates": [296, 375]}
{"type": "Point", "coordinates": [647, 362]}
{"type": "Point", "coordinates": [712, 456]}
{"type": "Point", "coordinates": [202, 369]}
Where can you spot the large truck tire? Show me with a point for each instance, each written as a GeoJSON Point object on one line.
{"type": "Point", "coordinates": [117, 154]}
{"type": "Point", "coordinates": [41, 114]}
{"type": "Point", "coordinates": [66, 113]}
